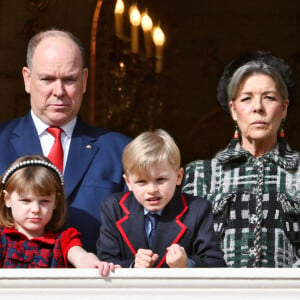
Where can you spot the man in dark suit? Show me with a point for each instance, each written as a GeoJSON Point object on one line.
{"type": "Point", "coordinates": [55, 78]}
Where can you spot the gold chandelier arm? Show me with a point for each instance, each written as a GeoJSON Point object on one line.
{"type": "Point", "coordinates": [92, 69]}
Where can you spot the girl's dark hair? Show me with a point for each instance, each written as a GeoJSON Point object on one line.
{"type": "Point", "coordinates": [41, 180]}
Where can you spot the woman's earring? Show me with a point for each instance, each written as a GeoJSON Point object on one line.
{"type": "Point", "coordinates": [281, 132]}
{"type": "Point", "coordinates": [236, 132]}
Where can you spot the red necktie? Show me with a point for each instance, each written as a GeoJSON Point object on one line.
{"type": "Point", "coordinates": [56, 154]}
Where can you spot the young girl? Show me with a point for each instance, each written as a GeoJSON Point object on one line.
{"type": "Point", "coordinates": [32, 209]}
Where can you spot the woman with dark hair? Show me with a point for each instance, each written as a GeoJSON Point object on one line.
{"type": "Point", "coordinates": [254, 184]}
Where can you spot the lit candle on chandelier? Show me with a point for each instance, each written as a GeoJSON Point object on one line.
{"type": "Point", "coordinates": [147, 27]}
{"type": "Point", "coordinates": [119, 11]}
{"type": "Point", "coordinates": [135, 20]}
{"type": "Point", "coordinates": [159, 41]}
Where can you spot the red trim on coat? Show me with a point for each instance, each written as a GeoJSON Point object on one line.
{"type": "Point", "coordinates": [119, 222]}
{"type": "Point", "coordinates": [182, 231]}
{"type": "Point", "coordinates": [179, 223]}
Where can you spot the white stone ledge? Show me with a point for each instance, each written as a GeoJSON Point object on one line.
{"type": "Point", "coordinates": [166, 284]}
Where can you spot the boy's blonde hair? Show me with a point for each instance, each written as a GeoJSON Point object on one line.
{"type": "Point", "coordinates": [148, 148]}
{"type": "Point", "coordinates": [42, 181]}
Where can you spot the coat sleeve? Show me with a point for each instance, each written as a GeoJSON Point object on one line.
{"type": "Point", "coordinates": [69, 238]}
{"type": "Point", "coordinates": [205, 251]}
{"type": "Point", "coordinates": [110, 246]}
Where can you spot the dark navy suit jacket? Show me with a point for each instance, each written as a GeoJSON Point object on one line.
{"type": "Point", "coordinates": [186, 220]}
{"type": "Point", "coordinates": [93, 169]}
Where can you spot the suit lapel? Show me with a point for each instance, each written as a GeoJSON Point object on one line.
{"type": "Point", "coordinates": [25, 139]}
{"type": "Point", "coordinates": [82, 151]}
{"type": "Point", "coordinates": [170, 229]}
{"type": "Point", "coordinates": [131, 225]}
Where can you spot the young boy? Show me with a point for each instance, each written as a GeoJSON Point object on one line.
{"type": "Point", "coordinates": [182, 237]}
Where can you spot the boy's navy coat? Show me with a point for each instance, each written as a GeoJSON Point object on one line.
{"type": "Point", "coordinates": [186, 220]}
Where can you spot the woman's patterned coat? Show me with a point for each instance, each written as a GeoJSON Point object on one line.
{"type": "Point", "coordinates": [256, 204]}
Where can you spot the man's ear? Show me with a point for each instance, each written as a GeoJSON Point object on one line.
{"type": "Point", "coordinates": [6, 198]}
{"type": "Point", "coordinates": [27, 79]}
{"type": "Point", "coordinates": [85, 78]}
{"type": "Point", "coordinates": [127, 182]}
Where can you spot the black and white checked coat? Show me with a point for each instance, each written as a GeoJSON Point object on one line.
{"type": "Point", "coordinates": [256, 203]}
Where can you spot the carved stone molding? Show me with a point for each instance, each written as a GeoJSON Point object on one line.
{"type": "Point", "coordinates": [159, 284]}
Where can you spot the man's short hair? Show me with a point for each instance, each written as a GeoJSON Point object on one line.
{"type": "Point", "coordinates": [37, 38]}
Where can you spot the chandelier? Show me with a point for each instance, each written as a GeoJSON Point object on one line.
{"type": "Point", "coordinates": [134, 101]}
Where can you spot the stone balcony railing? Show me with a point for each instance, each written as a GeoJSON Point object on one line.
{"type": "Point", "coordinates": [143, 284]}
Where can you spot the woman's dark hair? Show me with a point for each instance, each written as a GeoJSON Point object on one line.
{"type": "Point", "coordinates": [251, 68]}
{"type": "Point", "coordinates": [261, 56]}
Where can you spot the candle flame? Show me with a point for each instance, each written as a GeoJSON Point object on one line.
{"type": "Point", "coordinates": [158, 36]}
{"type": "Point", "coordinates": [146, 22]}
{"type": "Point", "coordinates": [119, 8]}
{"type": "Point", "coordinates": [135, 16]}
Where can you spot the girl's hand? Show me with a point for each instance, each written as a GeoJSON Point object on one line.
{"type": "Point", "coordinates": [79, 258]}
{"type": "Point", "coordinates": [105, 267]}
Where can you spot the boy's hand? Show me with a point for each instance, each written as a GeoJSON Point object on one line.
{"type": "Point", "coordinates": [176, 257]}
{"type": "Point", "coordinates": [145, 258]}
